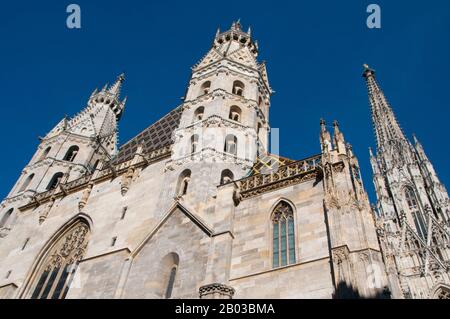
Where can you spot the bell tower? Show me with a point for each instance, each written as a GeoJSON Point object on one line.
{"type": "Point", "coordinates": [74, 147]}
{"type": "Point", "coordinates": [224, 122]}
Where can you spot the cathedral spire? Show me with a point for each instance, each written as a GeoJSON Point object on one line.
{"type": "Point", "coordinates": [115, 88]}
{"type": "Point", "coordinates": [385, 123]}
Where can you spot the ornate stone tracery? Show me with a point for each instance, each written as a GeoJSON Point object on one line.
{"type": "Point", "coordinates": [55, 273]}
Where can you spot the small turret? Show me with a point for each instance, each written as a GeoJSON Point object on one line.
{"type": "Point", "coordinates": [325, 138]}
{"type": "Point", "coordinates": [339, 141]}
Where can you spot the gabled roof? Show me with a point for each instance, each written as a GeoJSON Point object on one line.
{"type": "Point", "coordinates": [157, 135]}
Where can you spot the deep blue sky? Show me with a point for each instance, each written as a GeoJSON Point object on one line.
{"type": "Point", "coordinates": [314, 51]}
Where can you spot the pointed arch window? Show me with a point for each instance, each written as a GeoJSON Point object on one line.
{"type": "Point", "coordinates": [54, 182]}
{"type": "Point", "coordinates": [206, 86]}
{"type": "Point", "coordinates": [238, 88]}
{"type": "Point", "coordinates": [198, 114]}
{"type": "Point", "coordinates": [71, 153]}
{"type": "Point", "coordinates": [283, 235]}
{"type": "Point", "coordinates": [26, 183]}
{"type": "Point", "coordinates": [6, 219]}
{"type": "Point", "coordinates": [411, 201]}
{"type": "Point", "coordinates": [231, 144]}
{"type": "Point", "coordinates": [235, 113]}
{"type": "Point", "coordinates": [56, 272]}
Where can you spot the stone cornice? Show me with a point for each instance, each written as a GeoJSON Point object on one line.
{"type": "Point", "coordinates": [216, 67]}
{"type": "Point", "coordinates": [216, 121]}
{"type": "Point", "coordinates": [50, 161]}
{"type": "Point", "coordinates": [211, 154]}
{"type": "Point", "coordinates": [108, 172]}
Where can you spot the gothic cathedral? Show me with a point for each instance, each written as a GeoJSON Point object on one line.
{"type": "Point", "coordinates": [196, 205]}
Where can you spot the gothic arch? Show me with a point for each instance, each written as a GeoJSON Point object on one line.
{"type": "Point", "coordinates": [57, 261]}
{"type": "Point", "coordinates": [283, 234]}
{"type": "Point", "coordinates": [279, 200]}
{"type": "Point", "coordinates": [412, 204]}
{"type": "Point", "coordinates": [55, 181]}
{"type": "Point", "coordinates": [71, 153]}
{"type": "Point", "coordinates": [440, 291]}
{"type": "Point", "coordinates": [205, 88]}
{"type": "Point", "coordinates": [198, 114]}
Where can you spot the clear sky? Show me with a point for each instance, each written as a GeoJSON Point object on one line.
{"type": "Point", "coordinates": [314, 52]}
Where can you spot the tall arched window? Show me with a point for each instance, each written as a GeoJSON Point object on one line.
{"type": "Point", "coordinates": [226, 177]}
{"type": "Point", "coordinates": [231, 144]}
{"type": "Point", "coordinates": [4, 222]}
{"type": "Point", "coordinates": [45, 153]}
{"type": "Point", "coordinates": [183, 182]}
{"type": "Point", "coordinates": [411, 201]}
{"type": "Point", "coordinates": [55, 273]}
{"type": "Point", "coordinates": [235, 113]}
{"type": "Point", "coordinates": [198, 114]}
{"type": "Point", "coordinates": [194, 143]}
{"type": "Point", "coordinates": [54, 182]}
{"type": "Point", "coordinates": [26, 183]}
{"type": "Point", "coordinates": [169, 273]}
{"type": "Point", "coordinates": [238, 88]}
{"type": "Point", "coordinates": [71, 153]}
{"type": "Point", "coordinates": [283, 235]}
{"type": "Point", "coordinates": [206, 86]}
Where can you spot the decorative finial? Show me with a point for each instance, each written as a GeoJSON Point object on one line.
{"type": "Point", "coordinates": [335, 123]}
{"type": "Point", "coordinates": [368, 71]}
{"type": "Point", "coordinates": [115, 88]}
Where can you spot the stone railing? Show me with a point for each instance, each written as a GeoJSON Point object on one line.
{"type": "Point", "coordinates": [285, 175]}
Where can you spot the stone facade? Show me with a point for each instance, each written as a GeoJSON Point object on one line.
{"type": "Point", "coordinates": [195, 206]}
{"type": "Point", "coordinates": [413, 207]}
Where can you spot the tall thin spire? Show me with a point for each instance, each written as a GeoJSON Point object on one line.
{"type": "Point", "coordinates": [115, 88]}
{"type": "Point", "coordinates": [385, 123]}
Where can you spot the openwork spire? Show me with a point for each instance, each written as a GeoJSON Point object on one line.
{"type": "Point", "coordinates": [383, 117]}
{"type": "Point", "coordinates": [115, 88]}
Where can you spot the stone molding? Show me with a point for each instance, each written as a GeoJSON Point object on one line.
{"type": "Point", "coordinates": [216, 291]}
